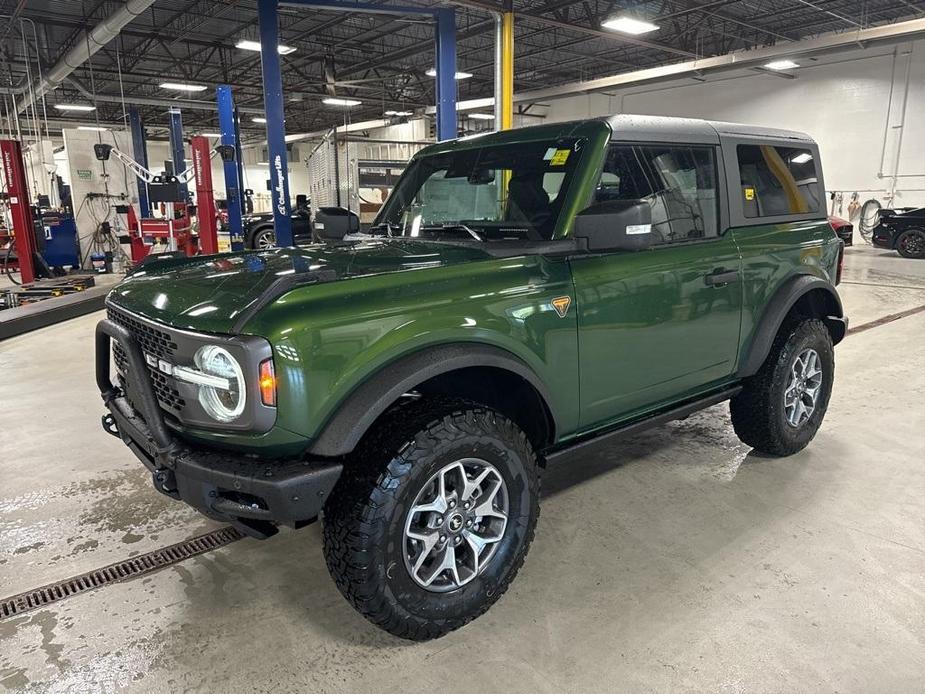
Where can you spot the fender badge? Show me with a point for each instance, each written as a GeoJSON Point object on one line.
{"type": "Point", "coordinates": [561, 304]}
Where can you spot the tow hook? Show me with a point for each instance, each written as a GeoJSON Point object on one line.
{"type": "Point", "coordinates": [165, 482]}
{"type": "Point", "coordinates": [109, 426]}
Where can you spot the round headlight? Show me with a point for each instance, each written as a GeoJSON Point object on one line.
{"type": "Point", "coordinates": [222, 404]}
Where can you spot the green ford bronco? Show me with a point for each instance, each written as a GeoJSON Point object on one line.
{"type": "Point", "coordinates": [521, 295]}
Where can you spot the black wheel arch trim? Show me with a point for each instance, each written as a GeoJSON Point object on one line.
{"type": "Point", "coordinates": [363, 406]}
{"type": "Point", "coordinates": [776, 311]}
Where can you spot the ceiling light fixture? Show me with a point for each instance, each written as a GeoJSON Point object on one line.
{"type": "Point", "coordinates": [75, 107]}
{"type": "Point", "coordinates": [399, 113]}
{"type": "Point", "coordinates": [338, 101]}
{"type": "Point", "coordinates": [781, 65]}
{"type": "Point", "coordinates": [629, 25]}
{"type": "Point", "coordinates": [210, 134]}
{"type": "Point", "coordinates": [460, 75]}
{"type": "Point", "coordinates": [481, 116]}
{"type": "Point", "coordinates": [183, 86]}
{"type": "Point", "coordinates": [94, 128]}
{"type": "Point", "coordinates": [247, 45]}
{"type": "Point", "coordinates": [259, 120]}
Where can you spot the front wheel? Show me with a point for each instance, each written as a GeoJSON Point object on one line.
{"type": "Point", "coordinates": [911, 244]}
{"type": "Point", "coordinates": [432, 518]}
{"type": "Point", "coordinates": [781, 407]}
{"type": "Point", "coordinates": [262, 239]}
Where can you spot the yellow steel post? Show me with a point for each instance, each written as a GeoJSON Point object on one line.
{"type": "Point", "coordinates": [507, 67]}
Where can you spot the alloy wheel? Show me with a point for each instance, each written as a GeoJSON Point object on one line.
{"type": "Point", "coordinates": [455, 524]}
{"type": "Point", "coordinates": [803, 388]}
{"type": "Point", "coordinates": [265, 241]}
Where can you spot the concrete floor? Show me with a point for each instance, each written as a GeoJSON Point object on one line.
{"type": "Point", "coordinates": [677, 561]}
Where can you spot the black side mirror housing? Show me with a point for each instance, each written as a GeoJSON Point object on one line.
{"type": "Point", "coordinates": [615, 225]}
{"type": "Point", "coordinates": [333, 223]}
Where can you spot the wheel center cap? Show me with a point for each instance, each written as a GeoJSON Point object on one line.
{"type": "Point", "coordinates": [456, 522]}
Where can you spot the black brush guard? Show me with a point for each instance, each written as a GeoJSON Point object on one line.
{"type": "Point", "coordinates": [253, 494]}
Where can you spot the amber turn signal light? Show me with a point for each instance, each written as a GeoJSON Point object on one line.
{"type": "Point", "coordinates": [267, 383]}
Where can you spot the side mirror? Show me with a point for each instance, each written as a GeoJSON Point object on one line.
{"type": "Point", "coordinates": [333, 223]}
{"type": "Point", "coordinates": [615, 225]}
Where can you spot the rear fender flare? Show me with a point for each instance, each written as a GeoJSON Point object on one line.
{"type": "Point", "coordinates": [360, 409]}
{"type": "Point", "coordinates": [775, 313]}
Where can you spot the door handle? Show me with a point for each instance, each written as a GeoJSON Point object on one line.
{"type": "Point", "coordinates": [720, 277]}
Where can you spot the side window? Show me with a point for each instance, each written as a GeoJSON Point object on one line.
{"type": "Point", "coordinates": [678, 182]}
{"type": "Point", "coordinates": [777, 180]}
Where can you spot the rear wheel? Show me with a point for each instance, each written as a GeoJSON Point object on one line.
{"type": "Point", "coordinates": [782, 406]}
{"type": "Point", "coordinates": [911, 243]}
{"type": "Point", "coordinates": [432, 518]}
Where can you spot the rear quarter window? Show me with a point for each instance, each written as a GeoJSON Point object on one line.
{"type": "Point", "coordinates": [778, 181]}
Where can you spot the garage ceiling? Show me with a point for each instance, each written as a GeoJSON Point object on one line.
{"type": "Point", "coordinates": [382, 59]}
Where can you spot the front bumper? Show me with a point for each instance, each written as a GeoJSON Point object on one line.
{"type": "Point", "coordinates": [251, 493]}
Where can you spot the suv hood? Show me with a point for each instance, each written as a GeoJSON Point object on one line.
{"type": "Point", "coordinates": [210, 294]}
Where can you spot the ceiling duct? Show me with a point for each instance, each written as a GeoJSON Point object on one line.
{"type": "Point", "coordinates": [86, 45]}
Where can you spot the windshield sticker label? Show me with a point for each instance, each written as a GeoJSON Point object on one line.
{"type": "Point", "coordinates": [550, 153]}
{"type": "Point", "coordinates": [749, 193]}
{"type": "Point", "coordinates": [638, 229]}
{"type": "Point", "coordinates": [560, 157]}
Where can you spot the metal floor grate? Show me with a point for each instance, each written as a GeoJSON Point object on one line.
{"type": "Point", "coordinates": [120, 571]}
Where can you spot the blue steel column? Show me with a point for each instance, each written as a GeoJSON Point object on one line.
{"type": "Point", "coordinates": [446, 74]}
{"type": "Point", "coordinates": [140, 154]}
{"type": "Point", "coordinates": [229, 130]}
{"type": "Point", "coordinates": [239, 158]}
{"type": "Point", "coordinates": [176, 146]}
{"type": "Point", "coordinates": [276, 126]}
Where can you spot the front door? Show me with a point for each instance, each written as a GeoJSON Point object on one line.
{"type": "Point", "coordinates": [663, 323]}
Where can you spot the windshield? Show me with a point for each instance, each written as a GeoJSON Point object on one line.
{"type": "Point", "coordinates": [507, 191]}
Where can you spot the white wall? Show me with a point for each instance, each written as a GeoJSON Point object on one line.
{"type": "Point", "coordinates": [841, 101]}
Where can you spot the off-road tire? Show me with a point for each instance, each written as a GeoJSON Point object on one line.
{"type": "Point", "coordinates": [363, 524]}
{"type": "Point", "coordinates": [911, 244]}
{"type": "Point", "coordinates": [758, 412]}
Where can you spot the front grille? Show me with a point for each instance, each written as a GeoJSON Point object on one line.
{"type": "Point", "coordinates": [152, 341]}
{"type": "Point", "coordinates": [157, 343]}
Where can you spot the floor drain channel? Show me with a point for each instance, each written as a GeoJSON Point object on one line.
{"type": "Point", "coordinates": [120, 571]}
{"type": "Point", "coordinates": [886, 319]}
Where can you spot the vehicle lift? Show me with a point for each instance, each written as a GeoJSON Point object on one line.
{"type": "Point", "coordinates": [167, 190]}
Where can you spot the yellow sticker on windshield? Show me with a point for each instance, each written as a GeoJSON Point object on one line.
{"type": "Point", "coordinates": [560, 157]}
{"type": "Point", "coordinates": [749, 193]}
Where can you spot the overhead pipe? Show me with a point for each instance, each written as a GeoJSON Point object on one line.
{"type": "Point", "coordinates": [191, 104]}
{"type": "Point", "coordinates": [86, 46]}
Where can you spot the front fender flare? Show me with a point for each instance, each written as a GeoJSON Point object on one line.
{"type": "Point", "coordinates": [360, 409]}
{"type": "Point", "coordinates": [776, 311]}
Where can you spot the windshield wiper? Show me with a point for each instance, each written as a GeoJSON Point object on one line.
{"type": "Point", "coordinates": [454, 227]}
{"type": "Point", "coordinates": [386, 228]}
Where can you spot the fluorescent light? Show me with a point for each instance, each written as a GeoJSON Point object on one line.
{"type": "Point", "coordinates": [802, 158]}
{"type": "Point", "coordinates": [337, 101]}
{"type": "Point", "coordinates": [92, 127]}
{"type": "Point", "coordinates": [247, 45]}
{"type": "Point", "coordinates": [399, 113]}
{"type": "Point", "coordinates": [210, 134]}
{"type": "Point", "coordinates": [75, 107]}
{"type": "Point", "coordinates": [781, 65]}
{"type": "Point", "coordinates": [183, 87]}
{"type": "Point", "coordinates": [628, 25]}
{"type": "Point", "coordinates": [460, 75]}
{"type": "Point", "coordinates": [259, 120]}
{"type": "Point", "coordinates": [480, 116]}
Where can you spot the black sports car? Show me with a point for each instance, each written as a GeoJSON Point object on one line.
{"type": "Point", "coordinates": [902, 231]}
